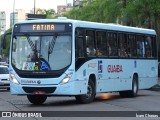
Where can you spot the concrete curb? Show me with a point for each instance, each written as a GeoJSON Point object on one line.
{"type": "Point", "coordinates": [156, 87]}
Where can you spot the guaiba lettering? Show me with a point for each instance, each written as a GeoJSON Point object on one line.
{"type": "Point", "coordinates": [114, 68]}
{"type": "Point", "coordinates": [43, 27]}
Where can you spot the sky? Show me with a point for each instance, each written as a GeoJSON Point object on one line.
{"type": "Point", "coordinates": [27, 5]}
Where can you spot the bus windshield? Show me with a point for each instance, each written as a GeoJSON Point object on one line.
{"type": "Point", "coordinates": [41, 53]}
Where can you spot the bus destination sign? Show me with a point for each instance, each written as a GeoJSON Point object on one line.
{"type": "Point", "coordinates": [41, 27]}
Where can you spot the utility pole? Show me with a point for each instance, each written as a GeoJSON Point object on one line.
{"type": "Point", "coordinates": [34, 6]}
{"type": "Point", "coordinates": [73, 8]}
{"type": "Point", "coordinates": [13, 10]}
{"type": "Point", "coordinates": [66, 3]}
{"type": "Point", "coordinates": [73, 3]}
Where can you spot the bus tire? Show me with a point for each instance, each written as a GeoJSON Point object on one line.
{"type": "Point", "coordinates": [37, 99]}
{"type": "Point", "coordinates": [133, 92]}
{"type": "Point", "coordinates": [89, 97]}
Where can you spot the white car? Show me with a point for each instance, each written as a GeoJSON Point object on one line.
{"type": "Point", "coordinates": [4, 77]}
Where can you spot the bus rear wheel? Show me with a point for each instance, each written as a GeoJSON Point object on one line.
{"type": "Point", "coordinates": [37, 99]}
{"type": "Point", "coordinates": [134, 91]}
{"type": "Point", "coordinates": [89, 97]}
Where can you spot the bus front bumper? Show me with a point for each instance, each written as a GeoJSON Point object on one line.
{"type": "Point", "coordinates": [70, 88]}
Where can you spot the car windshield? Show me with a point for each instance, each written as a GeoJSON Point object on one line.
{"type": "Point", "coordinates": [39, 53]}
{"type": "Point", "coordinates": [4, 70]}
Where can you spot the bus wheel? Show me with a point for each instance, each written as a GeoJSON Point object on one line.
{"type": "Point", "coordinates": [37, 99]}
{"type": "Point", "coordinates": [134, 91]}
{"type": "Point", "coordinates": [89, 97]}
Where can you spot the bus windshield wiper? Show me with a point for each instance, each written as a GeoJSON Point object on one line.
{"type": "Point", "coordinates": [35, 57]}
{"type": "Point", "coordinates": [51, 45]}
{"type": "Point", "coordinates": [31, 43]}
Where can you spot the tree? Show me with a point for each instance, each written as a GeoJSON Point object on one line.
{"type": "Point", "coordinates": [137, 13]}
{"type": "Point", "coordinates": [50, 13]}
{"type": "Point", "coordinates": [40, 11]}
{"type": "Point", "coordinates": [8, 39]}
{"type": "Point", "coordinates": [97, 10]}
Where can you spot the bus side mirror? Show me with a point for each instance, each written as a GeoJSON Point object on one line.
{"type": "Point", "coordinates": [4, 39]}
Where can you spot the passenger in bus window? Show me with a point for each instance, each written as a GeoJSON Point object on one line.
{"type": "Point", "coordinates": [129, 54]}
{"type": "Point", "coordinates": [143, 49]}
{"type": "Point", "coordinates": [109, 49]}
{"type": "Point", "coordinates": [32, 57]}
{"type": "Point", "coordinates": [91, 51]}
{"type": "Point", "coordinates": [140, 49]}
{"type": "Point", "coordinates": [122, 52]}
{"type": "Point", "coordinates": [148, 47]}
{"type": "Point", "coordinates": [99, 52]}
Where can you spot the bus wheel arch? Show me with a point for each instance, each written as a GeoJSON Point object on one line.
{"type": "Point", "coordinates": [93, 78]}
{"type": "Point", "coordinates": [91, 91]}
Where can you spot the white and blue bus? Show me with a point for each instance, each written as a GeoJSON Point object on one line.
{"type": "Point", "coordinates": [67, 57]}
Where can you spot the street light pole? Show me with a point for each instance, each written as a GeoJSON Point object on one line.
{"type": "Point", "coordinates": [34, 6]}
{"type": "Point", "coordinates": [13, 10]}
{"type": "Point", "coordinates": [73, 3]}
{"type": "Point", "coordinates": [73, 8]}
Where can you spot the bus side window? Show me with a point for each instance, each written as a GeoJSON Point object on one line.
{"type": "Point", "coordinates": [90, 43]}
{"type": "Point", "coordinates": [101, 43]}
{"type": "Point", "coordinates": [122, 51]}
{"type": "Point", "coordinates": [132, 46]}
{"type": "Point", "coordinates": [140, 46]}
{"type": "Point", "coordinates": [154, 46]}
{"type": "Point", "coordinates": [79, 47]}
{"type": "Point", "coordinates": [112, 43]}
{"type": "Point", "coordinates": [148, 47]}
{"type": "Point", "coordinates": [79, 43]}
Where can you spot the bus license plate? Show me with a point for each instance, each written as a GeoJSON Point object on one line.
{"type": "Point", "coordinates": [38, 92]}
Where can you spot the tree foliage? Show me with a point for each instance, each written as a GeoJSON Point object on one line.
{"type": "Point", "coordinates": [8, 38]}
{"type": "Point", "coordinates": [50, 13]}
{"type": "Point", "coordinates": [137, 13]}
{"type": "Point", "coordinates": [141, 13]}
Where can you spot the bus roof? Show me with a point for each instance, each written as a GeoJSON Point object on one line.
{"type": "Point", "coordinates": [106, 26]}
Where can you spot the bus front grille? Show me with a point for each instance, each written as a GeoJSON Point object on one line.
{"type": "Point", "coordinates": [45, 89]}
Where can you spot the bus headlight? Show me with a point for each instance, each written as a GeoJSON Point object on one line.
{"type": "Point", "coordinates": [13, 78]}
{"type": "Point", "coordinates": [66, 78]}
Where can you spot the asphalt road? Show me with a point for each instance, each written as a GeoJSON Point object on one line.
{"type": "Point", "coordinates": [61, 107]}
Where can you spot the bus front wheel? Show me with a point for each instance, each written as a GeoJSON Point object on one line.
{"type": "Point", "coordinates": [37, 99]}
{"type": "Point", "coordinates": [89, 97]}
